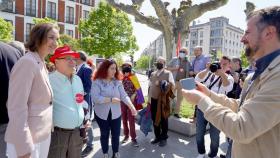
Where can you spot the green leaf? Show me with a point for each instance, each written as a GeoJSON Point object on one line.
{"type": "Point", "coordinates": [6, 30]}
{"type": "Point", "coordinates": [107, 32]}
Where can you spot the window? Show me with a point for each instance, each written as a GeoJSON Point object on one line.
{"type": "Point", "coordinates": [69, 32]}
{"type": "Point", "coordinates": [28, 28]}
{"type": "Point", "coordinates": [86, 2]}
{"type": "Point", "coordinates": [51, 10]}
{"type": "Point", "coordinates": [201, 42]}
{"type": "Point", "coordinates": [85, 14]}
{"type": "Point", "coordinates": [201, 33]}
{"type": "Point", "coordinates": [10, 7]}
{"type": "Point", "coordinates": [194, 34]}
{"type": "Point", "coordinates": [70, 15]}
{"type": "Point", "coordinates": [30, 9]}
{"type": "Point", "coordinates": [211, 42]}
{"type": "Point", "coordinates": [194, 43]}
{"type": "Point", "coordinates": [187, 43]}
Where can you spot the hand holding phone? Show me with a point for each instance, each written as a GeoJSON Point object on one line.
{"type": "Point", "coordinates": [188, 83]}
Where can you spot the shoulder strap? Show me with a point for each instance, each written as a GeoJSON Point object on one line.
{"type": "Point", "coordinates": [209, 74]}
{"type": "Point", "coordinates": [213, 83]}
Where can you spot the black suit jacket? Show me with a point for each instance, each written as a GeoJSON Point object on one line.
{"type": "Point", "coordinates": [8, 57]}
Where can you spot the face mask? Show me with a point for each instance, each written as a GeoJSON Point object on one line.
{"type": "Point", "coordinates": [182, 55]}
{"type": "Point", "coordinates": [159, 66]}
{"type": "Point", "coordinates": [126, 69]}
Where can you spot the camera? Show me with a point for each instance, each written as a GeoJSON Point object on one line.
{"type": "Point", "coordinates": [243, 76]}
{"type": "Point", "coordinates": [215, 66]}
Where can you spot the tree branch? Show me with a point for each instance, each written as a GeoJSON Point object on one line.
{"type": "Point", "coordinates": [196, 11]}
{"type": "Point", "coordinates": [138, 3]}
{"type": "Point", "coordinates": [163, 15]}
{"type": "Point", "coordinates": [139, 17]}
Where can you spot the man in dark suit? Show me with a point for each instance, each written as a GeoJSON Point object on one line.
{"type": "Point", "coordinates": [9, 54]}
{"type": "Point", "coordinates": [85, 72]}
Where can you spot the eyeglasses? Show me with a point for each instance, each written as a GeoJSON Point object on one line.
{"type": "Point", "coordinates": [68, 59]}
{"type": "Point", "coordinates": [181, 51]}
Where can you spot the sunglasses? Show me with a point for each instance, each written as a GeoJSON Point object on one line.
{"type": "Point", "coordinates": [181, 51]}
{"type": "Point", "coordinates": [68, 59]}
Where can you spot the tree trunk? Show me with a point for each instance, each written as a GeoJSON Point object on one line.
{"type": "Point", "coordinates": [170, 45]}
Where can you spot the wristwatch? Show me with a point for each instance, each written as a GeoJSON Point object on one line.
{"type": "Point", "coordinates": [111, 100]}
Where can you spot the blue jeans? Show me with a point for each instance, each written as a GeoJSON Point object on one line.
{"type": "Point", "coordinates": [105, 127]}
{"type": "Point", "coordinates": [90, 130]}
{"type": "Point", "coordinates": [3, 144]}
{"type": "Point", "coordinates": [90, 137]}
{"type": "Point", "coordinates": [201, 124]}
{"type": "Point", "coordinates": [228, 155]}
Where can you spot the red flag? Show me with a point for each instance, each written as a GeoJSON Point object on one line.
{"type": "Point", "coordinates": [178, 44]}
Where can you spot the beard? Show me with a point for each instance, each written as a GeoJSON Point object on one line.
{"type": "Point", "coordinates": [249, 53]}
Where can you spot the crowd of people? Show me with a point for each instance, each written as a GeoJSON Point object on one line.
{"type": "Point", "coordinates": [47, 110]}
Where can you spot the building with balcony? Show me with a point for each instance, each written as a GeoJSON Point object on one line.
{"type": "Point", "coordinates": [217, 35]}
{"type": "Point", "coordinates": [66, 12]}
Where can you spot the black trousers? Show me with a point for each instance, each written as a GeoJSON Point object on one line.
{"type": "Point", "coordinates": [162, 129]}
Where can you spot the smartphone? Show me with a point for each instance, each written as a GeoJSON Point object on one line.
{"type": "Point", "coordinates": [188, 83]}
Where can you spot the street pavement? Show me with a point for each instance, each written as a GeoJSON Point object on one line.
{"type": "Point", "coordinates": [178, 146]}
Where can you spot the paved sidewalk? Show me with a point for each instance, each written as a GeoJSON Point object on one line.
{"type": "Point", "coordinates": [178, 146]}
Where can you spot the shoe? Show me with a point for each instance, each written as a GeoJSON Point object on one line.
{"type": "Point", "coordinates": [222, 156]}
{"type": "Point", "coordinates": [177, 115]}
{"type": "Point", "coordinates": [193, 120]}
{"type": "Point", "coordinates": [87, 151]}
{"type": "Point", "coordinates": [135, 143]}
{"type": "Point", "coordinates": [125, 139]}
{"type": "Point", "coordinates": [155, 141]}
{"type": "Point", "coordinates": [106, 156]}
{"type": "Point", "coordinates": [200, 156]}
{"type": "Point", "coordinates": [162, 143]}
{"type": "Point", "coordinates": [116, 155]}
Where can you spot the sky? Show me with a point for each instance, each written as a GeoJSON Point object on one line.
{"type": "Point", "coordinates": [234, 10]}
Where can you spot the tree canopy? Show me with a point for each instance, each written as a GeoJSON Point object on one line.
{"type": "Point", "coordinates": [143, 62]}
{"type": "Point", "coordinates": [6, 30]}
{"type": "Point", "coordinates": [107, 32]}
{"type": "Point", "coordinates": [44, 20]}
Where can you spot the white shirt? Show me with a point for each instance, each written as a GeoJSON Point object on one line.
{"type": "Point", "coordinates": [217, 87]}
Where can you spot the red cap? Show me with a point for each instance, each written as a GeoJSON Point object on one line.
{"type": "Point", "coordinates": [63, 51]}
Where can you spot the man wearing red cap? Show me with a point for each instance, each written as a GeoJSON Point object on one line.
{"type": "Point", "coordinates": [68, 114]}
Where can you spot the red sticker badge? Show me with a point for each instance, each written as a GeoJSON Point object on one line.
{"type": "Point", "coordinates": [79, 98]}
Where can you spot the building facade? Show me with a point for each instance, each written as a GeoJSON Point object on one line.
{"type": "Point", "coordinates": [66, 12]}
{"type": "Point", "coordinates": [156, 48]}
{"type": "Point", "coordinates": [216, 35]}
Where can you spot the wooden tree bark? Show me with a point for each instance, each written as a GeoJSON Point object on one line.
{"type": "Point", "coordinates": [170, 24]}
